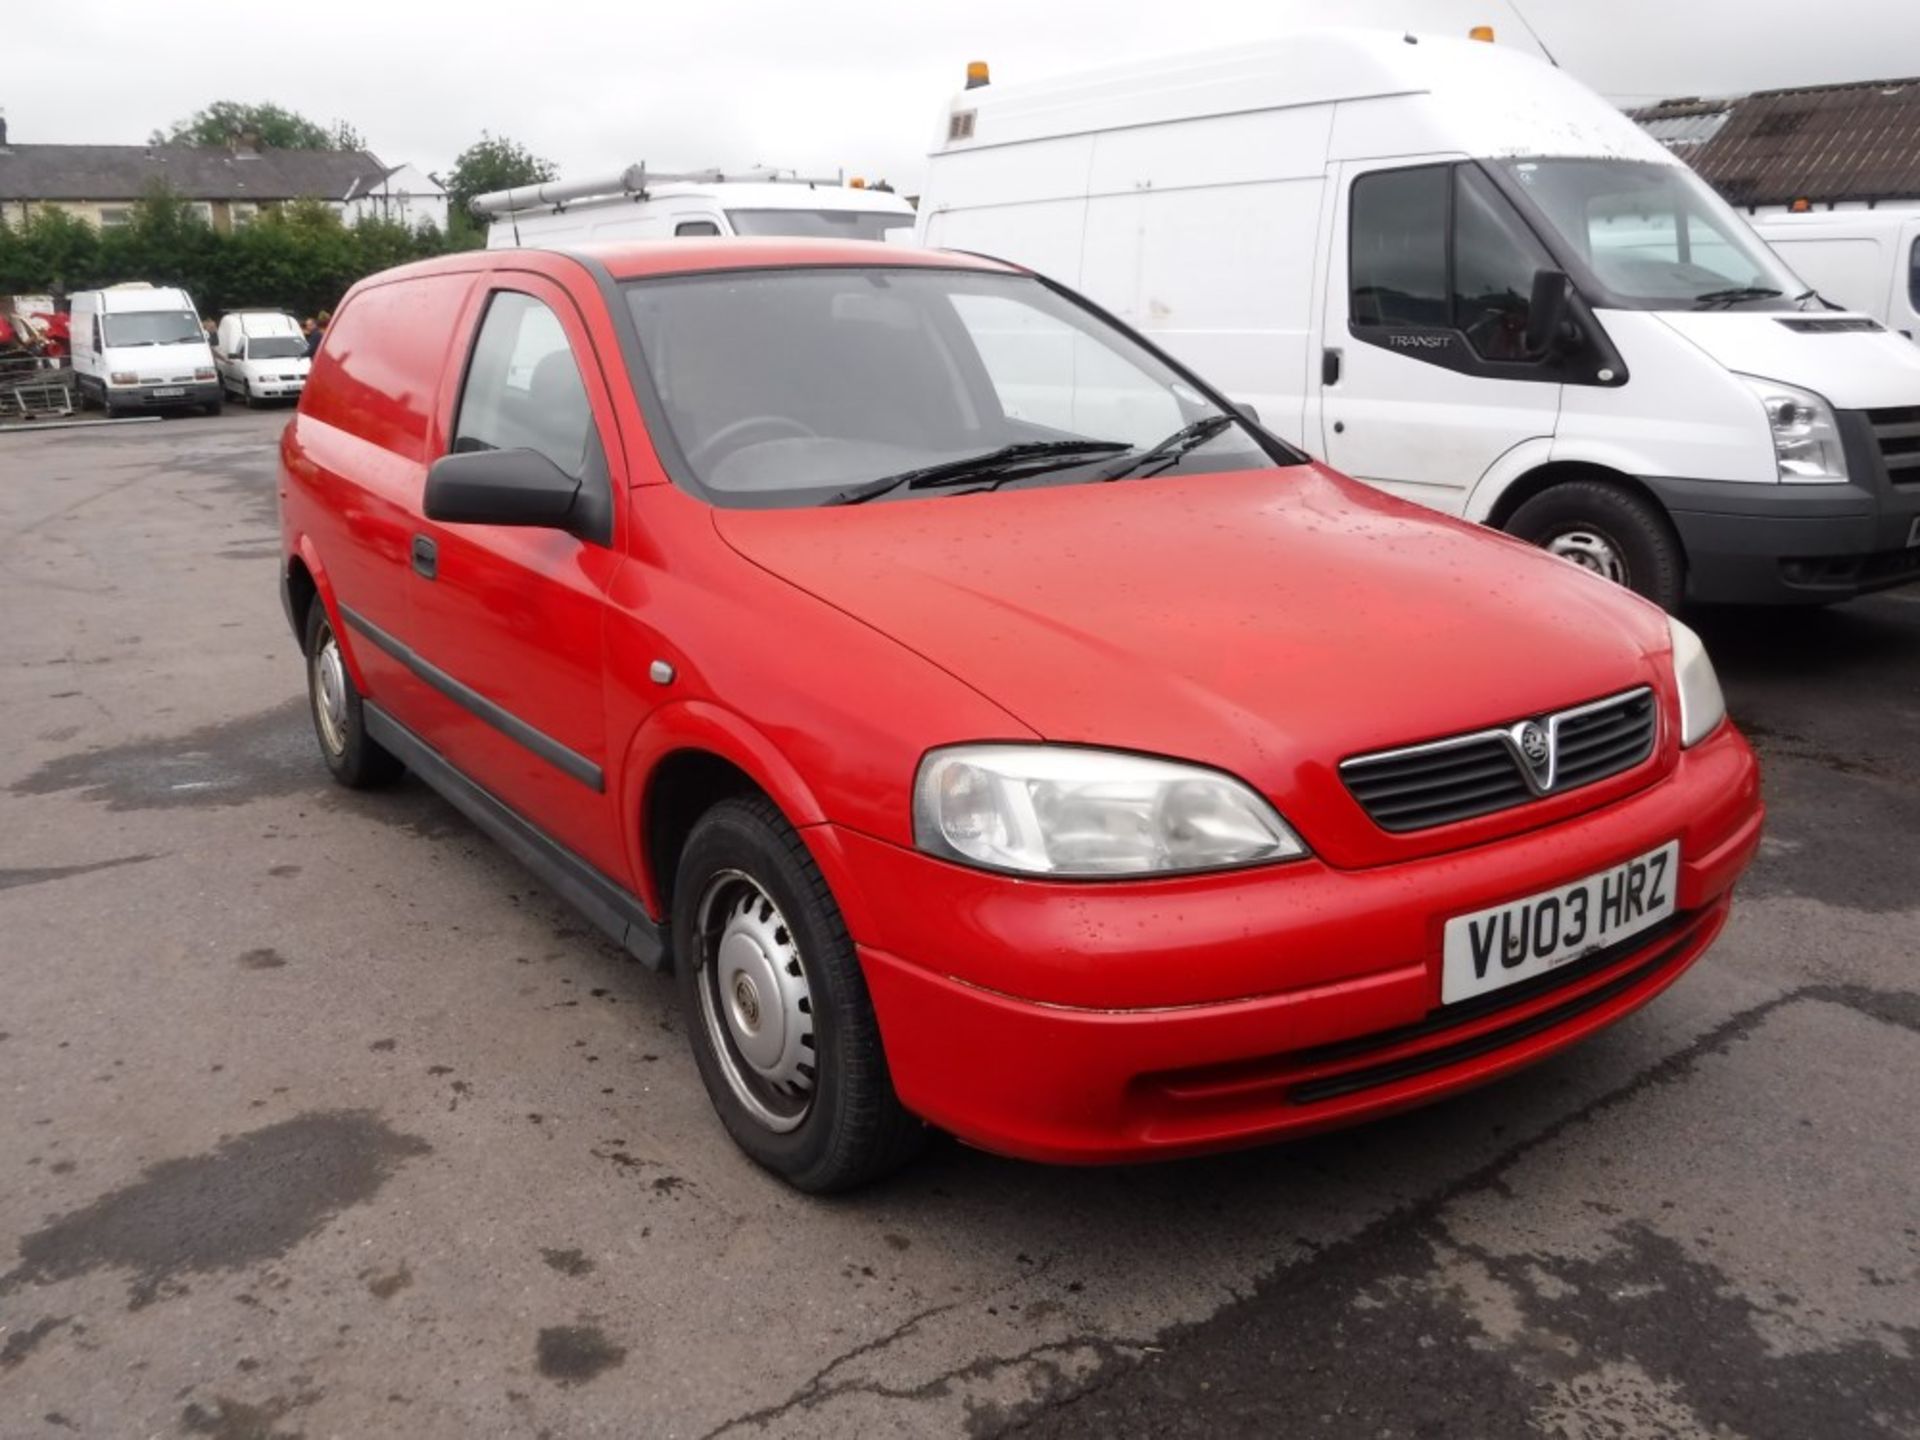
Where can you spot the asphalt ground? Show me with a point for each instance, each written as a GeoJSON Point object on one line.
{"type": "Point", "coordinates": [319, 1117]}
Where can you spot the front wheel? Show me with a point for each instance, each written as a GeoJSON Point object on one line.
{"type": "Point", "coordinates": [1611, 531]}
{"type": "Point", "coordinates": [776, 1006]}
{"type": "Point", "coordinates": [356, 759]}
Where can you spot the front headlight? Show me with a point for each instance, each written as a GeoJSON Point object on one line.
{"type": "Point", "coordinates": [1702, 706]}
{"type": "Point", "coordinates": [1806, 439]}
{"type": "Point", "coordinates": [1063, 811]}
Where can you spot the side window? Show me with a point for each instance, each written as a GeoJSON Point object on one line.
{"type": "Point", "coordinates": [696, 227]}
{"type": "Point", "coordinates": [523, 390]}
{"type": "Point", "coordinates": [1913, 276]}
{"type": "Point", "coordinates": [1398, 256]}
{"type": "Point", "coordinates": [1047, 373]}
{"type": "Point", "coordinates": [1494, 260]}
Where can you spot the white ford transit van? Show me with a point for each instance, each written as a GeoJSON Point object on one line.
{"type": "Point", "coordinates": [261, 355]}
{"type": "Point", "coordinates": [1866, 260]}
{"type": "Point", "coordinates": [1450, 270]}
{"type": "Point", "coordinates": [638, 204]}
{"type": "Point", "coordinates": [141, 347]}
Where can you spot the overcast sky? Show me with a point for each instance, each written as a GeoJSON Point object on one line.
{"type": "Point", "coordinates": [597, 84]}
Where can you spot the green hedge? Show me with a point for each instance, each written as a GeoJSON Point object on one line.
{"type": "Point", "coordinates": [299, 257]}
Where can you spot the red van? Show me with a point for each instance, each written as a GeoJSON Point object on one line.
{"type": "Point", "coordinates": [992, 727]}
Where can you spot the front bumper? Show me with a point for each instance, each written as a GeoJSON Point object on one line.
{"type": "Point", "coordinates": [153, 397]}
{"type": "Point", "coordinates": [1018, 1023]}
{"type": "Point", "coordinates": [1774, 544]}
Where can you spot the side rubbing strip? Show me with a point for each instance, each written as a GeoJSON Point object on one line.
{"type": "Point", "coordinates": [616, 911]}
{"type": "Point", "coordinates": [505, 721]}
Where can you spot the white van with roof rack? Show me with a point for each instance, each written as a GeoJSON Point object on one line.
{"type": "Point", "coordinates": [1451, 270]}
{"type": "Point", "coordinates": [638, 204]}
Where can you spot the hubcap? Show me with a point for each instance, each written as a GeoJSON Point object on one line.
{"type": "Point", "coordinates": [330, 695]}
{"type": "Point", "coordinates": [1590, 550]}
{"type": "Point", "coordinates": [755, 1002]}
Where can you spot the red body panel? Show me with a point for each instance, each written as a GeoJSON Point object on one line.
{"type": "Point", "coordinates": [1269, 624]}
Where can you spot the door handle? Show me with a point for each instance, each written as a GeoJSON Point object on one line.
{"type": "Point", "coordinates": [426, 557]}
{"type": "Point", "coordinates": [1329, 367]}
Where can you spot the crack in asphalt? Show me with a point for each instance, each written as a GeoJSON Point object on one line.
{"type": "Point", "coordinates": [1402, 1232]}
{"type": "Point", "coordinates": [39, 875]}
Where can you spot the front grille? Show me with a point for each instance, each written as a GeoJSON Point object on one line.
{"type": "Point", "coordinates": [1479, 773]}
{"type": "Point", "coordinates": [1897, 433]}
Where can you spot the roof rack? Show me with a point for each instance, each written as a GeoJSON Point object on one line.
{"type": "Point", "coordinates": [632, 183]}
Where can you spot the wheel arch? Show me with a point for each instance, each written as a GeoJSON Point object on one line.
{"type": "Point", "coordinates": [1542, 478]}
{"type": "Point", "coordinates": [686, 757]}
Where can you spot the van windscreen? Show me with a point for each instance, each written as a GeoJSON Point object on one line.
{"type": "Point", "coordinates": [796, 387]}
{"type": "Point", "coordinates": [275, 347]}
{"type": "Point", "coordinates": [152, 327]}
{"type": "Point", "coordinates": [832, 224]}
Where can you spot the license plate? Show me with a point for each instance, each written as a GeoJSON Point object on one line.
{"type": "Point", "coordinates": [167, 392]}
{"type": "Point", "coordinates": [1509, 943]}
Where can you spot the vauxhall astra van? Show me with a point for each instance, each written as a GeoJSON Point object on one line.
{"type": "Point", "coordinates": [1450, 270]}
{"type": "Point", "coordinates": [990, 727]}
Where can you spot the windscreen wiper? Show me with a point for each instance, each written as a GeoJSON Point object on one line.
{"type": "Point", "coordinates": [1025, 457]}
{"type": "Point", "coordinates": [1169, 450]}
{"type": "Point", "coordinates": [1734, 296]}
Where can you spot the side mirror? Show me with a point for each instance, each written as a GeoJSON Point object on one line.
{"type": "Point", "coordinates": [1547, 311]}
{"type": "Point", "coordinates": [1247, 412]}
{"type": "Point", "coordinates": [502, 487]}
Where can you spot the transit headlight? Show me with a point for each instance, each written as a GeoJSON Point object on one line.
{"type": "Point", "coordinates": [1806, 438]}
{"type": "Point", "coordinates": [1702, 706]}
{"type": "Point", "coordinates": [1064, 811]}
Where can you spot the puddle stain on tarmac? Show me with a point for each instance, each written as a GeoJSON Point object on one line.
{"type": "Point", "coordinates": [226, 763]}
{"type": "Point", "coordinates": [252, 1198]}
{"type": "Point", "coordinates": [575, 1354]}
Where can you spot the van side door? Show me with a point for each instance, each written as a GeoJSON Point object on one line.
{"type": "Point", "coordinates": [1903, 313]}
{"type": "Point", "coordinates": [511, 618]}
{"type": "Point", "coordinates": [1424, 378]}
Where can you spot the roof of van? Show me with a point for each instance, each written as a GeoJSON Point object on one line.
{"type": "Point", "coordinates": [138, 295]}
{"type": "Point", "coordinates": [1484, 99]}
{"type": "Point", "coordinates": [787, 195]}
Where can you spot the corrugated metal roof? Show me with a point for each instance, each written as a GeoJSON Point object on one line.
{"type": "Point", "coordinates": [1828, 143]}
{"type": "Point", "coordinates": [126, 172]}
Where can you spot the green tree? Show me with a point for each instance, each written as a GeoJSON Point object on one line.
{"type": "Point", "coordinates": [54, 252]}
{"type": "Point", "coordinates": [232, 122]}
{"type": "Point", "coordinates": [493, 162]}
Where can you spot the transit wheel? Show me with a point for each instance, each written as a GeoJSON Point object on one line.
{"type": "Point", "coordinates": [1609, 531]}
{"type": "Point", "coordinates": [776, 1007]}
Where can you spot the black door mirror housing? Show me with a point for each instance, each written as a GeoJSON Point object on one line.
{"type": "Point", "coordinates": [1547, 311]}
{"type": "Point", "coordinates": [502, 487]}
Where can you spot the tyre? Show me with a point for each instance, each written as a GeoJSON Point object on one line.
{"type": "Point", "coordinates": [1611, 531]}
{"type": "Point", "coordinates": [214, 406]}
{"type": "Point", "coordinates": [339, 721]}
{"type": "Point", "coordinates": [776, 1007]}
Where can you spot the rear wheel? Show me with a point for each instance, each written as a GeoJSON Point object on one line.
{"type": "Point", "coordinates": [356, 759]}
{"type": "Point", "coordinates": [776, 1006]}
{"type": "Point", "coordinates": [1609, 530]}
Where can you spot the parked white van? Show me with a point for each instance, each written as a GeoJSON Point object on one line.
{"type": "Point", "coordinates": [1866, 260]}
{"type": "Point", "coordinates": [141, 347]}
{"type": "Point", "coordinates": [637, 204]}
{"type": "Point", "coordinates": [261, 355]}
{"type": "Point", "coordinates": [1449, 269]}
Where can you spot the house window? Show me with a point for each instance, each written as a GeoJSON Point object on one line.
{"type": "Point", "coordinates": [201, 210]}
{"type": "Point", "coordinates": [112, 217]}
{"type": "Point", "coordinates": [243, 214]}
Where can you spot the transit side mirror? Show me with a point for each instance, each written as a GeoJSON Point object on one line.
{"type": "Point", "coordinates": [501, 487]}
{"type": "Point", "coordinates": [1547, 311]}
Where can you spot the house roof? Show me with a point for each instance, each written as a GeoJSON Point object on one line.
{"type": "Point", "coordinates": [126, 172]}
{"type": "Point", "coordinates": [1828, 143]}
